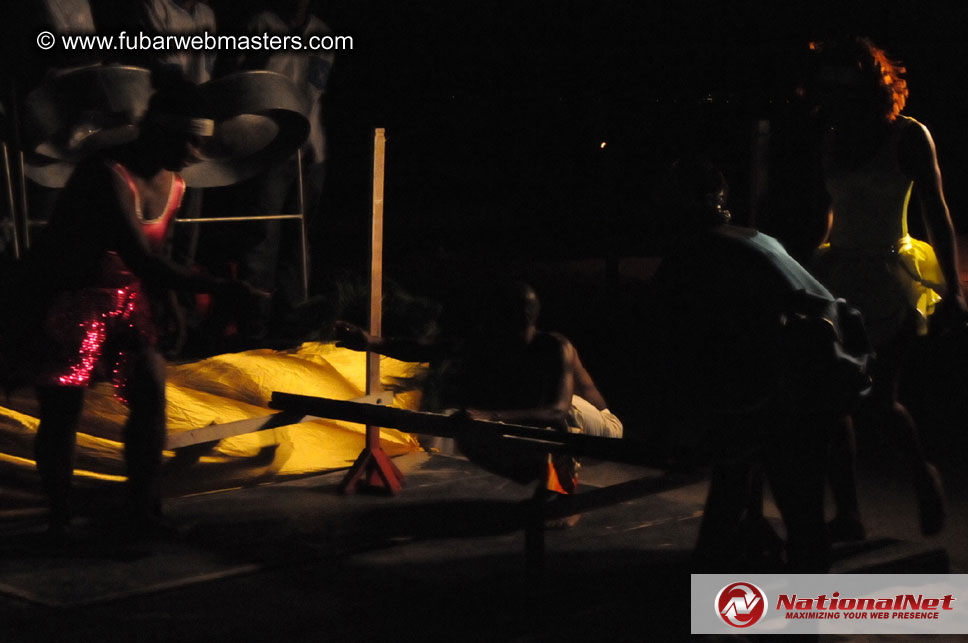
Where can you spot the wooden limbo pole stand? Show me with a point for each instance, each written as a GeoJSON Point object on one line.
{"type": "Point", "coordinates": [373, 468]}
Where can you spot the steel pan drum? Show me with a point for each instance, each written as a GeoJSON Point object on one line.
{"type": "Point", "coordinates": [77, 112]}
{"type": "Point", "coordinates": [260, 121]}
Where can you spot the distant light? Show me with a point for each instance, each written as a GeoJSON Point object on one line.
{"type": "Point", "coordinates": [602, 146]}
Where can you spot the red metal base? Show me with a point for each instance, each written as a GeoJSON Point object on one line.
{"type": "Point", "coordinates": [373, 470]}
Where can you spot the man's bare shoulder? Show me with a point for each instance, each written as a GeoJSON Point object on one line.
{"type": "Point", "coordinates": [554, 342]}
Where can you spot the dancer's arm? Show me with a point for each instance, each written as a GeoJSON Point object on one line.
{"type": "Point", "coordinates": [122, 225]}
{"type": "Point", "coordinates": [918, 159]}
{"type": "Point", "coordinates": [404, 349]}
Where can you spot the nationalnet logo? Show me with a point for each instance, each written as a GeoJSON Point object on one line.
{"type": "Point", "coordinates": [744, 604]}
{"type": "Point", "coordinates": [899, 606]}
{"type": "Point", "coordinates": [741, 604]}
{"type": "Point", "coordinates": [829, 603]}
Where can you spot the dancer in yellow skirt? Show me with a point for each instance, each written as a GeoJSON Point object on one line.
{"type": "Point", "coordinates": [874, 160]}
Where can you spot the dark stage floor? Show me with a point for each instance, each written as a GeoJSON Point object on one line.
{"type": "Point", "coordinates": [441, 561]}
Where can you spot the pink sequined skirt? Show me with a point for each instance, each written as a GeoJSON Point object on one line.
{"type": "Point", "coordinates": [93, 335]}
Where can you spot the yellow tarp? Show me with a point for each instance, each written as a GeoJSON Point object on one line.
{"type": "Point", "coordinates": [221, 389]}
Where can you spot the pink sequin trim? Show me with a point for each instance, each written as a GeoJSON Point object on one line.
{"type": "Point", "coordinates": [126, 310]}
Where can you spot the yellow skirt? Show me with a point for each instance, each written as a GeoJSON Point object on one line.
{"type": "Point", "coordinates": [887, 286]}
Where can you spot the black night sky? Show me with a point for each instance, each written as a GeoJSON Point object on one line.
{"type": "Point", "coordinates": [495, 111]}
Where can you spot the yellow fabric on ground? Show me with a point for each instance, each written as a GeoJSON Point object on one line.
{"type": "Point", "coordinates": [221, 389]}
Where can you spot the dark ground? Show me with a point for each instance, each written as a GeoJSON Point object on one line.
{"type": "Point", "coordinates": [443, 560]}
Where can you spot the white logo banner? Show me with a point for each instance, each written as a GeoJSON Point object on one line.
{"type": "Point", "coordinates": [829, 604]}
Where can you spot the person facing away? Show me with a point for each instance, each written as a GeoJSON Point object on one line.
{"type": "Point", "coordinates": [760, 359]}
{"type": "Point", "coordinates": [82, 311]}
{"type": "Point", "coordinates": [875, 159]}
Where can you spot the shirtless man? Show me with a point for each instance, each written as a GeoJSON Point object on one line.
{"type": "Point", "coordinates": [506, 370]}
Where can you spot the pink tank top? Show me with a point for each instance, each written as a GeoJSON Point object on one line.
{"type": "Point", "coordinates": [115, 272]}
{"type": "Point", "coordinates": [155, 230]}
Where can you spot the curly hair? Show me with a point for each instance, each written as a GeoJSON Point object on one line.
{"type": "Point", "coordinates": [878, 72]}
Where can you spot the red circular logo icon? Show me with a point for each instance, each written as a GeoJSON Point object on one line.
{"type": "Point", "coordinates": [741, 604]}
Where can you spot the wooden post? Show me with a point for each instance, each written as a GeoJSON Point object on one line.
{"type": "Point", "coordinates": [11, 200]}
{"type": "Point", "coordinates": [303, 239]}
{"type": "Point", "coordinates": [373, 467]}
{"type": "Point", "coordinates": [376, 260]}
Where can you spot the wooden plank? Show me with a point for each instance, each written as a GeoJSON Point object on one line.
{"type": "Point", "coordinates": [216, 432]}
{"type": "Point", "coordinates": [376, 259]}
{"type": "Point", "coordinates": [516, 436]}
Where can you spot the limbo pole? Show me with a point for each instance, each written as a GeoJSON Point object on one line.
{"type": "Point", "coordinates": [373, 468]}
{"type": "Point", "coordinates": [11, 200]}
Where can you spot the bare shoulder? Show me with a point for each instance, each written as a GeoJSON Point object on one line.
{"type": "Point", "coordinates": [915, 137]}
{"type": "Point", "coordinates": [916, 152]}
{"type": "Point", "coordinates": [121, 189]}
{"type": "Point", "coordinates": [913, 131]}
{"type": "Point", "coordinates": [557, 343]}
